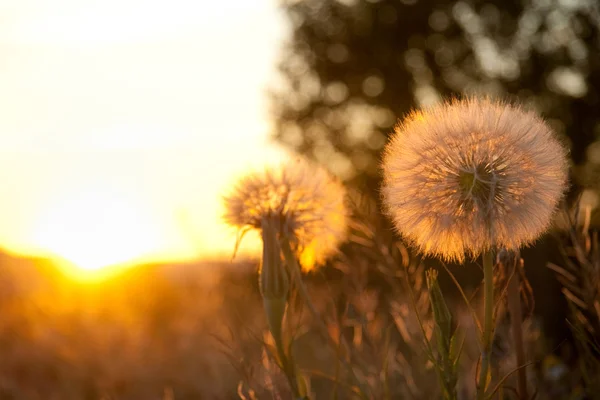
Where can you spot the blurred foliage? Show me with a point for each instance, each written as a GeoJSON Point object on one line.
{"type": "Point", "coordinates": [579, 275]}
{"type": "Point", "coordinates": [352, 67]}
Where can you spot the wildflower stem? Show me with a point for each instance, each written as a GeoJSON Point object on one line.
{"type": "Point", "coordinates": [274, 288]}
{"type": "Point", "coordinates": [428, 347]}
{"type": "Point", "coordinates": [294, 269]}
{"type": "Point", "coordinates": [488, 324]}
{"type": "Point", "coordinates": [516, 316]}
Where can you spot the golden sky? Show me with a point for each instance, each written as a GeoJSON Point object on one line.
{"type": "Point", "coordinates": [122, 122]}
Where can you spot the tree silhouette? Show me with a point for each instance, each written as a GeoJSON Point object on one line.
{"type": "Point", "coordinates": [353, 67]}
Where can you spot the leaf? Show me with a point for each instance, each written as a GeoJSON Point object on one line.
{"type": "Point", "coordinates": [456, 345]}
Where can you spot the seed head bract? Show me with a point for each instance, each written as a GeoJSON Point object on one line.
{"type": "Point", "coordinates": [470, 175]}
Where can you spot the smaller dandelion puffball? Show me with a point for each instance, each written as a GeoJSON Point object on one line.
{"type": "Point", "coordinates": [305, 201]}
{"type": "Point", "coordinates": [471, 175]}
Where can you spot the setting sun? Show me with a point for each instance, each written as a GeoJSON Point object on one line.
{"type": "Point", "coordinates": [97, 228]}
{"type": "Point", "coordinates": [118, 142]}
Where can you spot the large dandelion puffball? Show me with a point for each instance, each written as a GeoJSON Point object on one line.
{"type": "Point", "coordinates": [472, 175]}
{"type": "Point", "coordinates": [305, 201]}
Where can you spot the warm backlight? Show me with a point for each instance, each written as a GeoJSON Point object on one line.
{"type": "Point", "coordinates": [97, 228]}
{"type": "Point", "coordinates": [122, 120]}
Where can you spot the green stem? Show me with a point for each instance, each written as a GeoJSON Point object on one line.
{"type": "Point", "coordinates": [488, 324]}
{"type": "Point", "coordinates": [286, 362]}
{"type": "Point", "coordinates": [274, 288]}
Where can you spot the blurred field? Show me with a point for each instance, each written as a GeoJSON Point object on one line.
{"type": "Point", "coordinates": [146, 333]}
{"type": "Point", "coordinates": [197, 330]}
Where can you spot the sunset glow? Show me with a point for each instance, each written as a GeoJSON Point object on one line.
{"type": "Point", "coordinates": [98, 228]}
{"type": "Point", "coordinates": [124, 121]}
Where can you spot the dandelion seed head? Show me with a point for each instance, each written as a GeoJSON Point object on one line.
{"type": "Point", "coordinates": [304, 200]}
{"type": "Point", "coordinates": [470, 175]}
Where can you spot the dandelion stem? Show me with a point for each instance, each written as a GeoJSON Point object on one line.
{"type": "Point", "coordinates": [488, 324]}
{"type": "Point", "coordinates": [274, 287]}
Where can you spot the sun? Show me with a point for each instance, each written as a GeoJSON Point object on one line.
{"type": "Point", "coordinates": [97, 228]}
